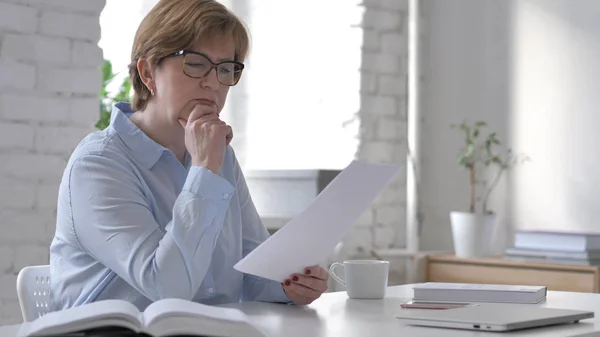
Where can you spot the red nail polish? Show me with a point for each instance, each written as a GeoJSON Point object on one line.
{"type": "Point", "coordinates": [287, 282]}
{"type": "Point", "coordinates": [295, 278]}
{"type": "Point", "coordinates": [307, 272]}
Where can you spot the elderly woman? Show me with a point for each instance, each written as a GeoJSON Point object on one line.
{"type": "Point", "coordinates": [156, 205]}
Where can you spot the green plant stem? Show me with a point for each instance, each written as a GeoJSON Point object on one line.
{"type": "Point", "coordinates": [491, 188]}
{"type": "Point", "coordinates": [472, 178]}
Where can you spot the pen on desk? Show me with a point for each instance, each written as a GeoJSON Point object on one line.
{"type": "Point", "coordinates": [434, 305]}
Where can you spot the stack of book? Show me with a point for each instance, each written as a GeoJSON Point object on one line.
{"type": "Point", "coordinates": [469, 293]}
{"type": "Point", "coordinates": [555, 247]}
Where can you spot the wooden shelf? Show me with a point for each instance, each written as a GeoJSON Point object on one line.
{"type": "Point", "coordinates": [495, 270]}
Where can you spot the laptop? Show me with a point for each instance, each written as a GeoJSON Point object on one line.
{"type": "Point", "coordinates": [492, 317]}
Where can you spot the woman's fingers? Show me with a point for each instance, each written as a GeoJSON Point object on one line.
{"type": "Point", "coordinates": [313, 283]}
{"type": "Point", "coordinates": [301, 290]}
{"type": "Point", "coordinates": [317, 272]}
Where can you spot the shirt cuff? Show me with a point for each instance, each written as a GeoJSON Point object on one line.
{"type": "Point", "coordinates": [280, 295]}
{"type": "Point", "coordinates": [204, 183]}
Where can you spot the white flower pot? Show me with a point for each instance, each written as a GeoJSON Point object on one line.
{"type": "Point", "coordinates": [472, 233]}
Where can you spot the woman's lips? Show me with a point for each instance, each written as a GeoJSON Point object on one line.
{"type": "Point", "coordinates": [207, 102]}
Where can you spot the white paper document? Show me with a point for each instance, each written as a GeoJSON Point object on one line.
{"type": "Point", "coordinates": [311, 237]}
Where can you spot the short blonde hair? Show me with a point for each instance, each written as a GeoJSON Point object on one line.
{"type": "Point", "coordinates": [173, 25]}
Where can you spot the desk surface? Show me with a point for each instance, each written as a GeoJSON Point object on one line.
{"type": "Point", "coordinates": [336, 315]}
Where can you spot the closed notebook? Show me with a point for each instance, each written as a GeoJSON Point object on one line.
{"type": "Point", "coordinates": [168, 317]}
{"type": "Point", "coordinates": [466, 292]}
{"type": "Point", "coordinates": [557, 240]}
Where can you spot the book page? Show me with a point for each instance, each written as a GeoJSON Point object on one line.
{"type": "Point", "coordinates": [85, 317]}
{"type": "Point", "coordinates": [173, 307]}
{"type": "Point", "coordinates": [194, 326]}
{"type": "Point", "coordinates": [311, 237]}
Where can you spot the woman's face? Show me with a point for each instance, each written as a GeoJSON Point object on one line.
{"type": "Point", "coordinates": [176, 94]}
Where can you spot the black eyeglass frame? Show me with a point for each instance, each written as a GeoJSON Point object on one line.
{"type": "Point", "coordinates": [212, 65]}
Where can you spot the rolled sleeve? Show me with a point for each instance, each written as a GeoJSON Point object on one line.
{"type": "Point", "coordinates": [203, 183]}
{"type": "Point", "coordinates": [260, 289]}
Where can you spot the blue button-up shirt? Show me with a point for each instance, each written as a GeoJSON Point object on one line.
{"type": "Point", "coordinates": [134, 223]}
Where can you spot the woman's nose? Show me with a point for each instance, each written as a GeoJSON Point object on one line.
{"type": "Point", "coordinates": [210, 80]}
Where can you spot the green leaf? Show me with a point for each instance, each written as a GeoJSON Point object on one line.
{"type": "Point", "coordinates": [107, 72]}
{"type": "Point", "coordinates": [470, 150]}
{"type": "Point", "coordinates": [106, 102]}
{"type": "Point", "coordinates": [123, 94]}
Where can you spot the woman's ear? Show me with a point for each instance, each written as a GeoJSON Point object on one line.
{"type": "Point", "coordinates": [146, 72]}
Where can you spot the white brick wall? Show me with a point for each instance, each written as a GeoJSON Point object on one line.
{"type": "Point", "coordinates": [49, 82]}
{"type": "Point", "coordinates": [61, 24]}
{"type": "Point", "coordinates": [16, 18]}
{"type": "Point", "coordinates": [383, 122]}
{"type": "Point", "coordinates": [36, 48]}
{"type": "Point", "coordinates": [16, 75]}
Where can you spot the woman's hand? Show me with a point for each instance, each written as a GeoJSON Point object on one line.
{"type": "Point", "coordinates": [206, 137]}
{"type": "Point", "coordinates": [304, 289]}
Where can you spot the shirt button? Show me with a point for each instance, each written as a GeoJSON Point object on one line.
{"type": "Point", "coordinates": [225, 195]}
{"type": "Point", "coordinates": [211, 290]}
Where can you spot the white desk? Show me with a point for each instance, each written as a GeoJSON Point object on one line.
{"type": "Point", "coordinates": [336, 315]}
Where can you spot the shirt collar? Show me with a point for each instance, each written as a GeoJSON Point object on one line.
{"type": "Point", "coordinates": [145, 150]}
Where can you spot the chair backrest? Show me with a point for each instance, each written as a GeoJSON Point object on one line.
{"type": "Point", "coordinates": [33, 289]}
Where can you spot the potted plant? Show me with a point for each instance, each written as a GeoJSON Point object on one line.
{"type": "Point", "coordinates": [472, 231]}
{"type": "Point", "coordinates": [122, 94]}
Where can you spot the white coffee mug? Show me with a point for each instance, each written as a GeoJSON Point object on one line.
{"type": "Point", "coordinates": [363, 279]}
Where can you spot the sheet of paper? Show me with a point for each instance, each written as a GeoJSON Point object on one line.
{"type": "Point", "coordinates": [311, 237]}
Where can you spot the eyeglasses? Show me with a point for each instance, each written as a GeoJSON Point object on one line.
{"type": "Point", "coordinates": [198, 65]}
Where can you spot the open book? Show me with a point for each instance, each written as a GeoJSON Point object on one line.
{"type": "Point", "coordinates": [167, 317]}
